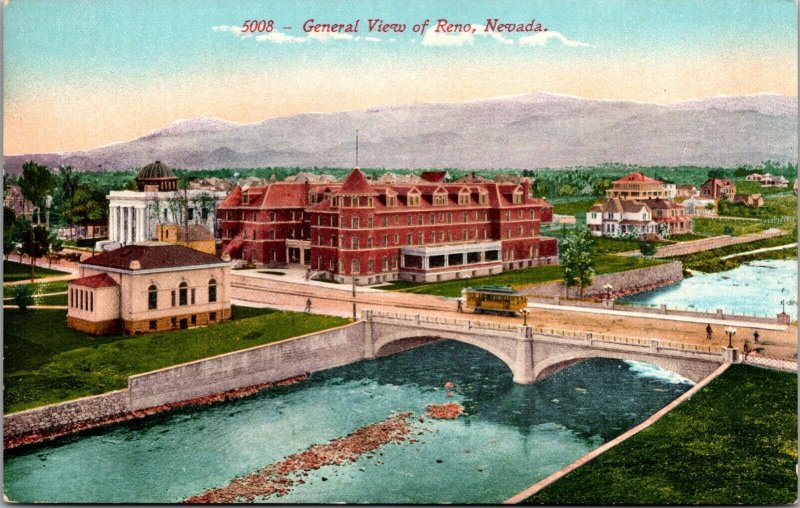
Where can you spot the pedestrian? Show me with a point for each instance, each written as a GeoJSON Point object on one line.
{"type": "Point", "coordinates": [746, 349]}
{"type": "Point", "coordinates": [308, 305]}
{"type": "Point", "coordinates": [460, 307]}
{"type": "Point", "coordinates": [709, 332]}
{"type": "Point", "coordinates": [755, 336]}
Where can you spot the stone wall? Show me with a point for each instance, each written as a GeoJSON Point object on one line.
{"type": "Point", "coordinates": [248, 367]}
{"type": "Point", "coordinates": [66, 414]}
{"type": "Point", "coordinates": [683, 248]}
{"type": "Point", "coordinates": [631, 281]}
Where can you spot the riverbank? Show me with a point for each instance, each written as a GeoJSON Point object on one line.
{"type": "Point", "coordinates": [46, 362]}
{"type": "Point", "coordinates": [734, 442]}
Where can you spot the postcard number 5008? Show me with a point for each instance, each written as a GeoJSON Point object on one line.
{"type": "Point", "coordinates": [258, 25]}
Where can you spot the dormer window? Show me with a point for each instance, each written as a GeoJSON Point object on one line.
{"type": "Point", "coordinates": [516, 198]}
{"type": "Point", "coordinates": [483, 197]}
{"type": "Point", "coordinates": [463, 196]}
{"type": "Point", "coordinates": [391, 200]}
{"type": "Point", "coordinates": [245, 198]}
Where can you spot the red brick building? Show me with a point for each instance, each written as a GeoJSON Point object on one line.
{"type": "Point", "coordinates": [718, 188]}
{"type": "Point", "coordinates": [422, 231]}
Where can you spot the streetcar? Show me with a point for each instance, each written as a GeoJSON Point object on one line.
{"type": "Point", "coordinates": [494, 300]}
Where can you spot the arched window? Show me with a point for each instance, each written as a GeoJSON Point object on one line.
{"type": "Point", "coordinates": [212, 290]}
{"type": "Point", "coordinates": [355, 268]}
{"type": "Point", "coordinates": [183, 293]}
{"type": "Point", "coordinates": [152, 298]}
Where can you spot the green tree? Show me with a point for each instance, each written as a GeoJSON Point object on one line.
{"type": "Point", "coordinates": [56, 246]}
{"type": "Point", "coordinates": [23, 296]}
{"type": "Point", "coordinates": [9, 218]}
{"type": "Point", "coordinates": [647, 249]}
{"type": "Point", "coordinates": [577, 260]}
{"type": "Point", "coordinates": [36, 183]}
{"type": "Point", "coordinates": [87, 203]}
{"type": "Point", "coordinates": [35, 244]}
{"type": "Point", "coordinates": [19, 230]}
{"type": "Point", "coordinates": [717, 173]}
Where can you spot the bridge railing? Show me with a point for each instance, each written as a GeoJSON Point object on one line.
{"type": "Point", "coordinates": [582, 336]}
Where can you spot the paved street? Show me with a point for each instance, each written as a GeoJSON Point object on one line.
{"type": "Point", "coordinates": [271, 291]}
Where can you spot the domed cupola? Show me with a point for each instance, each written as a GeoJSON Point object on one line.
{"type": "Point", "coordinates": [158, 174]}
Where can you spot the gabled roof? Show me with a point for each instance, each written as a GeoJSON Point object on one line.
{"type": "Point", "coordinates": [660, 203]}
{"type": "Point", "coordinates": [356, 183]}
{"type": "Point", "coordinates": [100, 280]}
{"type": "Point", "coordinates": [151, 257]}
{"type": "Point", "coordinates": [637, 177]}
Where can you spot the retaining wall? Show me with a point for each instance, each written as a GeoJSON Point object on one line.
{"type": "Point", "coordinates": [248, 367]}
{"type": "Point", "coordinates": [641, 279]}
{"type": "Point", "coordinates": [66, 414]}
{"type": "Point", "coordinates": [231, 371]}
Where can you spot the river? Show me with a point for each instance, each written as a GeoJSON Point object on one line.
{"type": "Point", "coordinates": [511, 436]}
{"type": "Point", "coordinates": [755, 288]}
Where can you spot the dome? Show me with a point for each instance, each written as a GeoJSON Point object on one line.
{"type": "Point", "coordinates": [156, 170]}
{"type": "Point", "coordinates": [157, 174]}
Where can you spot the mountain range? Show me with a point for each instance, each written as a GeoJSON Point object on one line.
{"type": "Point", "coordinates": [527, 131]}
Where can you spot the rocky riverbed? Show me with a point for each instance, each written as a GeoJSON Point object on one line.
{"type": "Point", "coordinates": [279, 478]}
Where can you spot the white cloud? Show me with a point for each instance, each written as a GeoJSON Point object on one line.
{"type": "Point", "coordinates": [433, 38]}
{"type": "Point", "coordinates": [279, 38]}
{"type": "Point", "coordinates": [542, 38]}
{"type": "Point", "coordinates": [367, 39]}
{"type": "Point", "coordinates": [328, 36]}
{"type": "Point", "coordinates": [235, 30]}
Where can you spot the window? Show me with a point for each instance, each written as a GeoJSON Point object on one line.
{"type": "Point", "coordinates": [152, 298]}
{"type": "Point", "coordinates": [433, 218]}
{"type": "Point", "coordinates": [245, 198]}
{"type": "Point", "coordinates": [354, 243]}
{"type": "Point", "coordinates": [354, 223]}
{"type": "Point", "coordinates": [212, 291]}
{"type": "Point", "coordinates": [174, 322]}
{"type": "Point", "coordinates": [192, 300]}
{"type": "Point", "coordinates": [369, 242]}
{"type": "Point", "coordinates": [190, 213]}
{"type": "Point", "coordinates": [173, 298]}
{"type": "Point", "coordinates": [410, 239]}
{"type": "Point", "coordinates": [194, 318]}
{"type": "Point", "coordinates": [354, 266]}
{"type": "Point", "coordinates": [396, 238]}
{"type": "Point", "coordinates": [152, 325]}
{"type": "Point", "coordinates": [369, 222]}
{"type": "Point", "coordinates": [385, 263]}
{"type": "Point", "coordinates": [204, 213]}
{"type": "Point", "coordinates": [183, 293]}
{"type": "Point", "coordinates": [212, 316]}
{"type": "Point", "coordinates": [385, 240]}
{"type": "Point", "coordinates": [370, 266]}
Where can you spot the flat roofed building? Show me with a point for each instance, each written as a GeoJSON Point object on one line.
{"type": "Point", "coordinates": [147, 288]}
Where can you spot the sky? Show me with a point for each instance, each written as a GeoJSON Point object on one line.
{"type": "Point", "coordinates": [79, 74]}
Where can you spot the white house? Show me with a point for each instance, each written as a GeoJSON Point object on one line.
{"type": "Point", "coordinates": [617, 217]}
{"type": "Point", "coordinates": [698, 207]}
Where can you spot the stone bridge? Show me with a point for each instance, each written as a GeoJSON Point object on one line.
{"type": "Point", "coordinates": [535, 353]}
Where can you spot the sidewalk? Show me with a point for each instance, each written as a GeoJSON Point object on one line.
{"type": "Point", "coordinates": [667, 317]}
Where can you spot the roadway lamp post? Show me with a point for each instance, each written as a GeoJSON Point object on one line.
{"type": "Point", "coordinates": [731, 331]}
{"type": "Point", "coordinates": [608, 288]}
{"type": "Point", "coordinates": [525, 313]}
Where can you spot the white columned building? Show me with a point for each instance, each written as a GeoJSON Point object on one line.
{"type": "Point", "coordinates": [134, 215]}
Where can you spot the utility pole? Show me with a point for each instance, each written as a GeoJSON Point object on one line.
{"type": "Point", "coordinates": [353, 279]}
{"type": "Point", "coordinates": [356, 147]}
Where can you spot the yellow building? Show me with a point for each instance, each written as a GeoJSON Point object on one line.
{"type": "Point", "coordinates": [195, 236]}
{"type": "Point", "coordinates": [148, 288]}
{"type": "Point", "coordinates": [637, 186]}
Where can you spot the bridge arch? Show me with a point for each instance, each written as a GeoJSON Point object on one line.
{"type": "Point", "coordinates": [396, 342]}
{"type": "Point", "coordinates": [695, 371]}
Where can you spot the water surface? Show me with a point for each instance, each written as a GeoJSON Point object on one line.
{"type": "Point", "coordinates": [755, 289]}
{"type": "Point", "coordinates": [511, 437]}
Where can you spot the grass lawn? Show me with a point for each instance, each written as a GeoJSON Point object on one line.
{"type": "Point", "coordinates": [745, 187]}
{"type": "Point", "coordinates": [604, 262]}
{"type": "Point", "coordinates": [773, 207]}
{"type": "Point", "coordinates": [13, 271]}
{"type": "Point", "coordinates": [39, 288]}
{"type": "Point", "coordinates": [47, 362]}
{"type": "Point", "coordinates": [734, 442]}
{"type": "Point", "coordinates": [575, 207]}
{"type": "Point", "coordinates": [709, 261]}
{"type": "Point", "coordinates": [716, 227]}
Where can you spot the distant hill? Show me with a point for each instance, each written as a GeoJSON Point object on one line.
{"type": "Point", "coordinates": [528, 131]}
